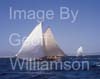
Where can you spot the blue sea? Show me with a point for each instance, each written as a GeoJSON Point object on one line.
{"type": "Point", "coordinates": [93, 73]}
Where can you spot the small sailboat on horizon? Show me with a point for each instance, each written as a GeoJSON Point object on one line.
{"type": "Point", "coordinates": [79, 51]}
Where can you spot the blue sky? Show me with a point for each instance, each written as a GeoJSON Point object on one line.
{"type": "Point", "coordinates": [85, 31]}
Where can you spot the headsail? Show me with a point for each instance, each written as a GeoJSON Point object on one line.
{"type": "Point", "coordinates": [80, 51]}
{"type": "Point", "coordinates": [50, 46]}
{"type": "Point", "coordinates": [33, 45]}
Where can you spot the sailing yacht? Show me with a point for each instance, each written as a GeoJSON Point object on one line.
{"type": "Point", "coordinates": [80, 51]}
{"type": "Point", "coordinates": [40, 45]}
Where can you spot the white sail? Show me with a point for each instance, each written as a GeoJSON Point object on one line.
{"type": "Point", "coordinates": [38, 45]}
{"type": "Point", "coordinates": [33, 45]}
{"type": "Point", "coordinates": [80, 51]}
{"type": "Point", "coordinates": [50, 46]}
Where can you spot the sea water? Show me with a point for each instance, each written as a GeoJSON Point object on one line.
{"type": "Point", "coordinates": [93, 73]}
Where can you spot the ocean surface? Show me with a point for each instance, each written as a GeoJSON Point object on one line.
{"type": "Point", "coordinates": [93, 73]}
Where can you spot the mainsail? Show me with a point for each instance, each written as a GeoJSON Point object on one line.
{"type": "Point", "coordinates": [80, 51]}
{"type": "Point", "coordinates": [33, 45]}
{"type": "Point", "coordinates": [50, 46]}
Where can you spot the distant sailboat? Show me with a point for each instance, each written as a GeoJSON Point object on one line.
{"type": "Point", "coordinates": [39, 45]}
{"type": "Point", "coordinates": [80, 51]}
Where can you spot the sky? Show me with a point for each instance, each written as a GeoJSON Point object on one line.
{"type": "Point", "coordinates": [85, 31]}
